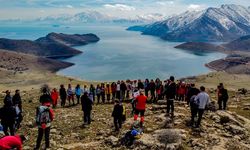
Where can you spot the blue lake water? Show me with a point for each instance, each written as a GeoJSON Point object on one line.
{"type": "Point", "coordinates": [121, 54]}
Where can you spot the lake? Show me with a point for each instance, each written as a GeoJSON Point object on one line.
{"type": "Point", "coordinates": [121, 54]}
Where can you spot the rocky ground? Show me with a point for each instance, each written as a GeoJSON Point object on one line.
{"type": "Point", "coordinates": [219, 130]}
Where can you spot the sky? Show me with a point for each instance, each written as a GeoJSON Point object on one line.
{"type": "Point", "coordinates": [28, 9]}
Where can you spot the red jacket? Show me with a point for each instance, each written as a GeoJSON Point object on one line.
{"type": "Point", "coordinates": [141, 102]}
{"type": "Point", "coordinates": [10, 142]}
{"type": "Point", "coordinates": [54, 96]}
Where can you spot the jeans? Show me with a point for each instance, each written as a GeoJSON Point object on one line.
{"type": "Point", "coordinates": [108, 97]}
{"type": "Point", "coordinates": [222, 104]}
{"type": "Point", "coordinates": [117, 123]}
{"type": "Point", "coordinates": [63, 101]}
{"type": "Point", "coordinates": [194, 111]}
{"type": "Point", "coordinates": [98, 98]}
{"type": "Point", "coordinates": [170, 106]}
{"type": "Point", "coordinates": [8, 126]}
{"type": "Point", "coordinates": [78, 99]}
{"type": "Point", "coordinates": [40, 137]}
{"type": "Point", "coordinates": [86, 117]}
{"type": "Point", "coordinates": [200, 114]}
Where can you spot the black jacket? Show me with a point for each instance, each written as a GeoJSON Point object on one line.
{"type": "Point", "coordinates": [224, 94]}
{"type": "Point", "coordinates": [191, 92]}
{"type": "Point", "coordinates": [140, 85]}
{"type": "Point", "coordinates": [45, 98]}
{"type": "Point", "coordinates": [117, 111]}
{"type": "Point", "coordinates": [8, 100]}
{"type": "Point", "coordinates": [123, 87]}
{"type": "Point", "coordinates": [63, 93]}
{"type": "Point", "coordinates": [86, 103]}
{"type": "Point", "coordinates": [171, 91]}
{"type": "Point", "coordinates": [8, 115]}
{"type": "Point", "coordinates": [16, 99]}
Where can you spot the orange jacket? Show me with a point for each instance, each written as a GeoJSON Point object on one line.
{"type": "Point", "coordinates": [108, 90]}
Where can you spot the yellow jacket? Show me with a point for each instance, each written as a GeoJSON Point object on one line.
{"type": "Point", "coordinates": [108, 90]}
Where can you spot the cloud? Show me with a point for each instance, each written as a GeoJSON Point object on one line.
{"type": "Point", "coordinates": [165, 3]}
{"type": "Point", "coordinates": [69, 6]}
{"type": "Point", "coordinates": [120, 7]}
{"type": "Point", "coordinates": [195, 7]}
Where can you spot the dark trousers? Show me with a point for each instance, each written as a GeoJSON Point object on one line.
{"type": "Point", "coordinates": [8, 126]}
{"type": "Point", "coordinates": [181, 97]}
{"type": "Point", "coordinates": [118, 95]}
{"type": "Point", "coordinates": [93, 98]}
{"type": "Point", "coordinates": [108, 97]}
{"type": "Point", "coordinates": [200, 114]}
{"type": "Point", "coordinates": [40, 137]}
{"type": "Point", "coordinates": [117, 123]}
{"type": "Point", "coordinates": [86, 117]}
{"type": "Point", "coordinates": [113, 96]}
{"type": "Point", "coordinates": [127, 95]}
{"type": "Point", "coordinates": [103, 97]}
{"type": "Point", "coordinates": [98, 98]}
{"type": "Point", "coordinates": [222, 104]}
{"type": "Point", "coordinates": [170, 106]}
{"type": "Point", "coordinates": [123, 95]}
{"type": "Point", "coordinates": [152, 92]}
{"type": "Point", "coordinates": [146, 92]}
{"type": "Point", "coordinates": [63, 101]}
{"type": "Point", "coordinates": [71, 97]}
{"type": "Point", "coordinates": [78, 99]}
{"type": "Point", "coordinates": [194, 111]}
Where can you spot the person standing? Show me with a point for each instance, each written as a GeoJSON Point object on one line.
{"type": "Point", "coordinates": [123, 90]}
{"type": "Point", "coordinates": [70, 94]}
{"type": "Point", "coordinates": [8, 117]}
{"type": "Point", "coordinates": [92, 91]}
{"type": "Point", "coordinates": [118, 90]}
{"type": "Point", "coordinates": [140, 85]}
{"type": "Point", "coordinates": [202, 100]}
{"type": "Point", "coordinates": [129, 88]}
{"type": "Point", "coordinates": [117, 115]}
{"type": "Point", "coordinates": [8, 98]}
{"type": "Point", "coordinates": [17, 103]}
{"type": "Point", "coordinates": [86, 108]}
{"type": "Point", "coordinates": [191, 94]}
{"type": "Point", "coordinates": [108, 92]}
{"type": "Point", "coordinates": [45, 97]}
{"type": "Point", "coordinates": [44, 117]}
{"type": "Point", "coordinates": [78, 93]}
{"type": "Point", "coordinates": [98, 93]}
{"type": "Point", "coordinates": [113, 88]}
{"type": "Point", "coordinates": [152, 87]}
{"type": "Point", "coordinates": [146, 86]}
{"type": "Point", "coordinates": [63, 95]}
{"type": "Point", "coordinates": [222, 97]}
{"type": "Point", "coordinates": [54, 97]}
{"type": "Point", "coordinates": [140, 107]}
{"type": "Point", "coordinates": [103, 92]}
{"type": "Point", "coordinates": [170, 95]}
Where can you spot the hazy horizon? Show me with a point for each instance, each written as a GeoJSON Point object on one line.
{"type": "Point", "coordinates": [21, 9]}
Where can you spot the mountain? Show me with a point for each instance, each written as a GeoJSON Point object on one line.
{"type": "Point", "coordinates": [53, 45]}
{"type": "Point", "coordinates": [241, 44]}
{"type": "Point", "coordinates": [213, 24]}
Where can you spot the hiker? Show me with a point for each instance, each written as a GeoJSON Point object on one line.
{"type": "Point", "coordinates": [17, 103]}
{"type": "Point", "coordinates": [140, 107]}
{"type": "Point", "coordinates": [152, 87]}
{"type": "Point", "coordinates": [136, 93]}
{"type": "Point", "coordinates": [44, 117]}
{"type": "Point", "coordinates": [45, 97]}
{"type": "Point", "coordinates": [222, 97]}
{"type": "Point", "coordinates": [108, 92]}
{"type": "Point", "coordinates": [54, 97]}
{"type": "Point", "coordinates": [70, 94]}
{"type": "Point", "coordinates": [134, 84]}
{"type": "Point", "coordinates": [129, 88]}
{"type": "Point", "coordinates": [182, 91]}
{"type": "Point", "coordinates": [130, 136]}
{"type": "Point", "coordinates": [157, 88]}
{"type": "Point", "coordinates": [12, 142]}
{"type": "Point", "coordinates": [86, 108]}
{"type": "Point", "coordinates": [123, 90]}
{"type": "Point", "coordinates": [191, 94]}
{"type": "Point", "coordinates": [117, 115]}
{"type": "Point", "coordinates": [202, 100]}
{"type": "Point", "coordinates": [146, 86]}
{"type": "Point", "coordinates": [140, 85]}
{"type": "Point", "coordinates": [16, 100]}
{"type": "Point", "coordinates": [98, 93]}
{"type": "Point", "coordinates": [170, 92]}
{"type": "Point", "coordinates": [63, 95]}
{"type": "Point", "coordinates": [78, 92]}
{"type": "Point", "coordinates": [7, 98]}
{"type": "Point", "coordinates": [92, 91]}
{"type": "Point", "coordinates": [118, 90]}
{"type": "Point", "coordinates": [113, 88]}
{"type": "Point", "coordinates": [8, 117]}
{"type": "Point", "coordinates": [85, 89]}
{"type": "Point", "coordinates": [103, 92]}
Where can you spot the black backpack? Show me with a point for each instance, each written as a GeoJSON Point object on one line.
{"type": "Point", "coordinates": [43, 115]}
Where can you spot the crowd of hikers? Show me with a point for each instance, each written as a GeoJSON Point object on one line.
{"type": "Point", "coordinates": [137, 92]}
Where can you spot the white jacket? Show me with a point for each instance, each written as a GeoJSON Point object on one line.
{"type": "Point", "coordinates": [202, 99]}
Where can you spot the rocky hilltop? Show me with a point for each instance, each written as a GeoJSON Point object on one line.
{"type": "Point", "coordinates": [212, 24]}
{"type": "Point", "coordinates": [53, 45]}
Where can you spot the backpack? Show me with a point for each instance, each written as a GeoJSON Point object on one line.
{"type": "Point", "coordinates": [193, 102]}
{"type": "Point", "coordinates": [43, 115]}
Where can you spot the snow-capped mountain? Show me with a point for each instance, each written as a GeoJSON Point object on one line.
{"type": "Point", "coordinates": [95, 16]}
{"type": "Point", "coordinates": [213, 24]}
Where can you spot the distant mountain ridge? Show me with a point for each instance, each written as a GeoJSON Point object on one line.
{"type": "Point", "coordinates": [53, 45]}
{"type": "Point", "coordinates": [226, 23]}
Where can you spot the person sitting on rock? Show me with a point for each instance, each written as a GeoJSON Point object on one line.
{"type": "Point", "coordinates": [202, 100]}
{"type": "Point", "coordinates": [12, 142]}
{"type": "Point", "coordinates": [130, 136]}
{"type": "Point", "coordinates": [140, 107]}
{"type": "Point", "coordinates": [117, 115]}
{"type": "Point", "coordinates": [44, 117]}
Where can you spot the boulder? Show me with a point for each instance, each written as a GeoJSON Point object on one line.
{"type": "Point", "coordinates": [112, 140]}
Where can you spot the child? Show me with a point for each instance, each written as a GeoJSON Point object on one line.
{"type": "Point", "coordinates": [117, 114]}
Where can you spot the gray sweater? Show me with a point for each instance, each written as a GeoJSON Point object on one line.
{"type": "Point", "coordinates": [202, 99]}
